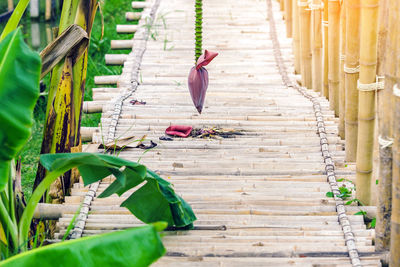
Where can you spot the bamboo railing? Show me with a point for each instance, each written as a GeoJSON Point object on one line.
{"type": "Point", "coordinates": [359, 72]}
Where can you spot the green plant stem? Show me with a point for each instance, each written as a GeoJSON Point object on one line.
{"type": "Point", "coordinates": [27, 215]}
{"type": "Point", "coordinates": [198, 28]}
{"type": "Point", "coordinates": [16, 16]}
{"type": "Point", "coordinates": [11, 195]}
{"type": "Point", "coordinates": [8, 225]}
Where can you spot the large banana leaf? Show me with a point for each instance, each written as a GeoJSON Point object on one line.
{"type": "Point", "coordinates": [134, 247]}
{"type": "Point", "coordinates": [154, 201]}
{"type": "Point", "coordinates": [19, 90]}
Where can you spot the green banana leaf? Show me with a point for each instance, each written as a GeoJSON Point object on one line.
{"type": "Point", "coordinates": [154, 201]}
{"type": "Point", "coordinates": [137, 247]}
{"type": "Point", "coordinates": [19, 81]}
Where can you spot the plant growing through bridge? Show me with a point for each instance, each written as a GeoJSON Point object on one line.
{"type": "Point", "coordinates": [198, 29]}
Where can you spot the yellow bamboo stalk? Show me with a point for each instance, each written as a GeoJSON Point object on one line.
{"type": "Point", "coordinates": [316, 33]}
{"type": "Point", "coordinates": [288, 17]}
{"type": "Point", "coordinates": [366, 107]}
{"type": "Point", "coordinates": [326, 49]}
{"type": "Point", "coordinates": [10, 5]}
{"type": "Point", "coordinates": [395, 219]}
{"type": "Point", "coordinates": [333, 52]}
{"type": "Point", "coordinates": [351, 77]}
{"type": "Point", "coordinates": [342, 93]}
{"type": "Point", "coordinates": [387, 52]}
{"type": "Point", "coordinates": [282, 4]}
{"type": "Point", "coordinates": [305, 43]}
{"type": "Point", "coordinates": [296, 36]}
{"type": "Point", "coordinates": [48, 10]}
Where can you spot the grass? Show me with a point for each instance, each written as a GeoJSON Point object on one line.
{"type": "Point", "coordinates": [113, 13]}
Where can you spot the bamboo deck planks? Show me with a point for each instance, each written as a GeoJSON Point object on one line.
{"type": "Point", "coordinates": [260, 197]}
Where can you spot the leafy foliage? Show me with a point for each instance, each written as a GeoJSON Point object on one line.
{"type": "Point", "coordinates": [16, 113]}
{"type": "Point", "coordinates": [134, 247]}
{"type": "Point", "coordinates": [154, 201]}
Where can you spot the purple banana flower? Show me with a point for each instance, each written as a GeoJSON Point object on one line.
{"type": "Point", "coordinates": [198, 79]}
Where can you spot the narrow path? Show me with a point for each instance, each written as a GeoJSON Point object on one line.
{"type": "Point", "coordinates": [260, 197]}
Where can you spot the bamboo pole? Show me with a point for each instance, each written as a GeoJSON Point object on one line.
{"type": "Point", "coordinates": [366, 107]}
{"type": "Point", "coordinates": [305, 43]}
{"type": "Point", "coordinates": [296, 37]}
{"type": "Point", "coordinates": [333, 53]}
{"type": "Point", "coordinates": [316, 22]}
{"type": "Point", "coordinates": [282, 4]}
{"type": "Point", "coordinates": [387, 52]}
{"type": "Point", "coordinates": [288, 17]}
{"type": "Point", "coordinates": [10, 5]}
{"type": "Point", "coordinates": [48, 10]}
{"type": "Point", "coordinates": [326, 49]}
{"type": "Point", "coordinates": [342, 93]}
{"type": "Point", "coordinates": [34, 8]}
{"type": "Point", "coordinates": [395, 219]}
{"type": "Point", "coordinates": [351, 77]}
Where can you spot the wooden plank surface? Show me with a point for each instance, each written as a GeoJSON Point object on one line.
{"type": "Point", "coordinates": [260, 197]}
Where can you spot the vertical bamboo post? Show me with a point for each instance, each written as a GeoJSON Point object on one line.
{"type": "Point", "coordinates": [296, 36]}
{"type": "Point", "coordinates": [48, 10]}
{"type": "Point", "coordinates": [34, 8]}
{"type": "Point", "coordinates": [395, 220]}
{"type": "Point", "coordinates": [366, 107]}
{"type": "Point", "coordinates": [288, 17]}
{"type": "Point", "coordinates": [326, 49]}
{"type": "Point", "coordinates": [342, 93]}
{"type": "Point", "coordinates": [282, 4]}
{"type": "Point", "coordinates": [333, 52]}
{"type": "Point", "coordinates": [10, 5]}
{"type": "Point", "coordinates": [305, 43]}
{"type": "Point", "coordinates": [387, 53]}
{"type": "Point", "coordinates": [351, 77]}
{"type": "Point", "coordinates": [316, 33]}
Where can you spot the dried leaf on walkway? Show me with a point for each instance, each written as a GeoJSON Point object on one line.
{"type": "Point", "coordinates": [215, 132]}
{"type": "Point", "coordinates": [126, 142]}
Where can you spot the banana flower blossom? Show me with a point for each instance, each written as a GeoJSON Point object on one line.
{"type": "Point", "coordinates": [198, 79]}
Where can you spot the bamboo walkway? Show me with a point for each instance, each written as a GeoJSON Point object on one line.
{"type": "Point", "coordinates": [260, 197]}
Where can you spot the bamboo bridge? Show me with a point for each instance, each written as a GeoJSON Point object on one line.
{"type": "Point", "coordinates": [260, 196]}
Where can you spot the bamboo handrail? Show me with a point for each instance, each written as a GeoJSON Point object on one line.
{"type": "Point", "coordinates": [366, 108]}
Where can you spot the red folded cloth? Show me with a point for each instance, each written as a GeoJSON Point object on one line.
{"type": "Point", "coordinates": [179, 130]}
